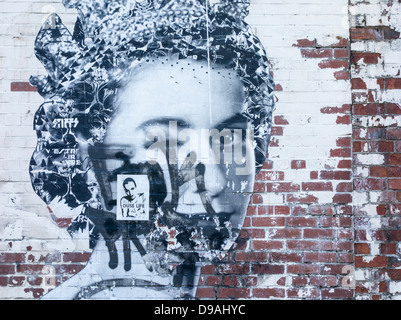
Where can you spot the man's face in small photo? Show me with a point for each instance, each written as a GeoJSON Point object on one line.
{"type": "Point", "coordinates": [129, 188]}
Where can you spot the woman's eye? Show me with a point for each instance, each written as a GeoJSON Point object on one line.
{"type": "Point", "coordinates": [232, 138]}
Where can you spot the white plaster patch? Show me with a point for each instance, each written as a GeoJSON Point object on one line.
{"type": "Point", "coordinates": [373, 158]}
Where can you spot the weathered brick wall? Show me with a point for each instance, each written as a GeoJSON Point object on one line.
{"type": "Point", "coordinates": [375, 71]}
{"type": "Point", "coordinates": [326, 199]}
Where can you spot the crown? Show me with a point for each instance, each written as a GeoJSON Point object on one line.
{"type": "Point", "coordinates": [114, 24]}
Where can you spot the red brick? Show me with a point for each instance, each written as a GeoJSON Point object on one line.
{"type": "Point", "coordinates": [320, 209]}
{"type": "Point", "coordinates": [47, 258]}
{"type": "Point", "coordinates": [240, 281]}
{"type": "Point", "coordinates": [257, 199]}
{"type": "Point", "coordinates": [335, 222]}
{"type": "Point", "coordinates": [342, 198]}
{"type": "Point", "coordinates": [282, 187]}
{"type": "Point", "coordinates": [344, 187]}
{"type": "Point", "coordinates": [394, 184]}
{"type": "Point", "coordinates": [317, 53]}
{"type": "Point", "coordinates": [267, 175]}
{"type": "Point", "coordinates": [388, 248]}
{"type": "Point", "coordinates": [394, 159]}
{"type": "Point", "coordinates": [268, 221]}
{"type": "Point", "coordinates": [232, 269]}
{"type": "Point", "coordinates": [332, 269]}
{"type": "Point", "coordinates": [366, 34]}
{"type": "Point", "coordinates": [250, 256]}
{"type": "Point", "coordinates": [317, 186]}
{"type": "Point", "coordinates": [3, 281]}
{"type": "Point", "coordinates": [282, 210]}
{"type": "Point", "coordinates": [266, 245]}
{"type": "Point", "coordinates": [368, 109]}
{"type": "Point", "coordinates": [22, 86]}
{"type": "Point", "coordinates": [394, 235]}
{"type": "Point", "coordinates": [265, 209]}
{"type": "Point", "coordinates": [298, 164]}
{"type": "Point", "coordinates": [389, 33]}
{"type": "Point", "coordinates": [277, 131]}
{"type": "Point", "coordinates": [361, 248]}
{"type": "Point", "coordinates": [393, 108]}
{"type": "Point", "coordinates": [340, 152]}
{"type": "Point", "coordinates": [301, 222]}
{"type": "Point", "coordinates": [343, 142]}
{"type": "Point", "coordinates": [341, 53]}
{"type": "Point", "coordinates": [259, 187]}
{"type": "Point", "coordinates": [253, 233]}
{"type": "Point", "coordinates": [267, 165]}
{"type": "Point", "coordinates": [394, 83]}
{"type": "Point", "coordinates": [280, 120]}
{"type": "Point", "coordinates": [344, 164]}
{"type": "Point", "coordinates": [358, 83]}
{"type": "Point", "coordinates": [333, 64]}
{"type": "Point", "coordinates": [367, 57]}
{"type": "Point", "coordinates": [267, 269]}
{"type": "Point", "coordinates": [301, 198]}
{"type": "Point", "coordinates": [299, 281]}
{"type": "Point", "coordinates": [305, 43]}
{"type": "Point", "coordinates": [10, 257]}
{"type": "Point", "coordinates": [335, 175]}
{"type": "Point", "coordinates": [268, 293]}
{"type": "Point", "coordinates": [369, 184]}
{"type": "Point", "coordinates": [394, 274]}
{"type": "Point", "coordinates": [17, 281]}
{"type": "Point", "coordinates": [385, 146]}
{"type": "Point", "coordinates": [318, 233]}
{"type": "Point", "coordinates": [285, 257]}
{"type": "Point", "coordinates": [394, 171]}
{"type": "Point", "coordinates": [302, 245]}
{"type": "Point", "coordinates": [341, 75]}
{"type": "Point", "coordinates": [303, 268]}
{"type": "Point", "coordinates": [368, 262]}
{"type": "Point", "coordinates": [298, 210]}
{"type": "Point", "coordinates": [76, 257]}
{"type": "Point", "coordinates": [7, 269]}
{"type": "Point", "coordinates": [378, 171]}
{"type": "Point", "coordinates": [205, 293]}
{"type": "Point", "coordinates": [346, 108]}
{"type": "Point", "coordinates": [393, 133]}
{"type": "Point", "coordinates": [69, 268]}
{"type": "Point", "coordinates": [338, 293]}
{"type": "Point", "coordinates": [328, 257]}
{"type": "Point", "coordinates": [286, 234]}
{"type": "Point", "coordinates": [213, 280]}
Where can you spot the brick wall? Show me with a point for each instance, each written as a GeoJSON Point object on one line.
{"type": "Point", "coordinates": [375, 73]}
{"type": "Point", "coordinates": [324, 206]}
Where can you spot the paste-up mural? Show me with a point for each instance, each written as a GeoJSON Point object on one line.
{"type": "Point", "coordinates": [156, 118]}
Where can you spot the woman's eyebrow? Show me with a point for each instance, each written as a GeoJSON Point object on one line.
{"type": "Point", "coordinates": [228, 123]}
{"type": "Point", "coordinates": [164, 121]}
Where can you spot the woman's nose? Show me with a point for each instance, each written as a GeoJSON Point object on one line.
{"type": "Point", "coordinates": [202, 177]}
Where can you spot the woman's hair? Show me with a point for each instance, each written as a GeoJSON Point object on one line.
{"type": "Point", "coordinates": [111, 38]}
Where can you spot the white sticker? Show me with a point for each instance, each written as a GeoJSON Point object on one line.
{"type": "Point", "coordinates": [132, 197]}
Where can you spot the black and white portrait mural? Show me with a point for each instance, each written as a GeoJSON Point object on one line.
{"type": "Point", "coordinates": [156, 119]}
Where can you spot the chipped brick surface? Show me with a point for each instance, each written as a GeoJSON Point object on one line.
{"type": "Point", "coordinates": [323, 221]}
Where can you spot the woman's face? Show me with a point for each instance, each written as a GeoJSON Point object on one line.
{"type": "Point", "coordinates": [187, 119]}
